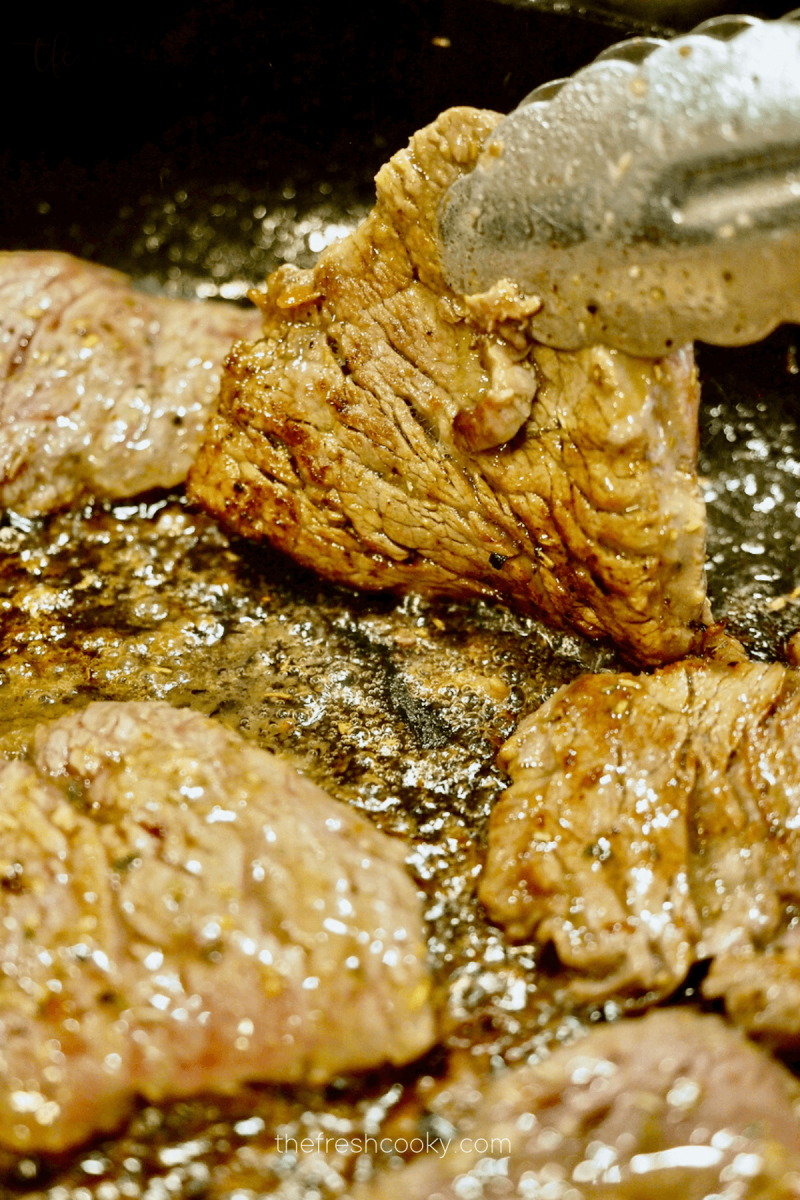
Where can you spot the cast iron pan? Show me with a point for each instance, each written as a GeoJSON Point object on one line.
{"type": "Point", "coordinates": [197, 149]}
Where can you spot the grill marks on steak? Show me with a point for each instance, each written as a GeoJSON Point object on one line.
{"type": "Point", "coordinates": [392, 434]}
{"type": "Point", "coordinates": [654, 821]}
{"type": "Point", "coordinates": [183, 912]}
{"type": "Point", "coordinates": [673, 1105]}
{"type": "Point", "coordinates": [103, 391]}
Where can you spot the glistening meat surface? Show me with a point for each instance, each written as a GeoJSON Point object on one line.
{"type": "Point", "coordinates": [674, 1106]}
{"type": "Point", "coordinates": [390, 433]}
{"type": "Point", "coordinates": [652, 822]}
{"type": "Point", "coordinates": [181, 913]}
{"type": "Point", "coordinates": [104, 391]}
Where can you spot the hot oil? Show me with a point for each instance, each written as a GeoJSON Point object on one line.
{"type": "Point", "coordinates": [750, 459]}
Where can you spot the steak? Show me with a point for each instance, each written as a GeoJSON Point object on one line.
{"type": "Point", "coordinates": [390, 433]}
{"type": "Point", "coordinates": [183, 912]}
{"type": "Point", "coordinates": [105, 391]}
{"type": "Point", "coordinates": [652, 822]}
{"type": "Point", "coordinates": [674, 1105]}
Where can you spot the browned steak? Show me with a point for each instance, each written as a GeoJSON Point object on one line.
{"type": "Point", "coordinates": [182, 912]}
{"type": "Point", "coordinates": [674, 1106]}
{"type": "Point", "coordinates": [654, 821]}
{"type": "Point", "coordinates": [103, 391]}
{"type": "Point", "coordinates": [392, 434]}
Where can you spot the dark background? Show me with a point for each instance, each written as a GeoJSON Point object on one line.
{"type": "Point", "coordinates": [99, 109]}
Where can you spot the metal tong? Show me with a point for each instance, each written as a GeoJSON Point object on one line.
{"type": "Point", "coordinates": [650, 199]}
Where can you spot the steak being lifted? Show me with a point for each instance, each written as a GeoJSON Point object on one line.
{"type": "Point", "coordinates": [654, 821]}
{"type": "Point", "coordinates": [181, 913]}
{"type": "Point", "coordinates": [673, 1106]}
{"type": "Point", "coordinates": [104, 391]}
{"type": "Point", "coordinates": [390, 433]}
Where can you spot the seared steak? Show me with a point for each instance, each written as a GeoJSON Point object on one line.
{"type": "Point", "coordinates": [674, 1105]}
{"type": "Point", "coordinates": [392, 434]}
{"type": "Point", "coordinates": [654, 821]}
{"type": "Point", "coordinates": [103, 391]}
{"type": "Point", "coordinates": [182, 912]}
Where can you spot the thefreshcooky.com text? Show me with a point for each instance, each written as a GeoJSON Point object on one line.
{"type": "Point", "coordinates": [320, 1144]}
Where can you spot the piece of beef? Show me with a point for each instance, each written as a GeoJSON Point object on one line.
{"type": "Point", "coordinates": [653, 821]}
{"type": "Point", "coordinates": [675, 1106]}
{"type": "Point", "coordinates": [182, 912]}
{"type": "Point", "coordinates": [105, 391]}
{"type": "Point", "coordinates": [392, 434]}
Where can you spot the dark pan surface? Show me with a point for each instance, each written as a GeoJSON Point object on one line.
{"type": "Point", "coordinates": [241, 140]}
